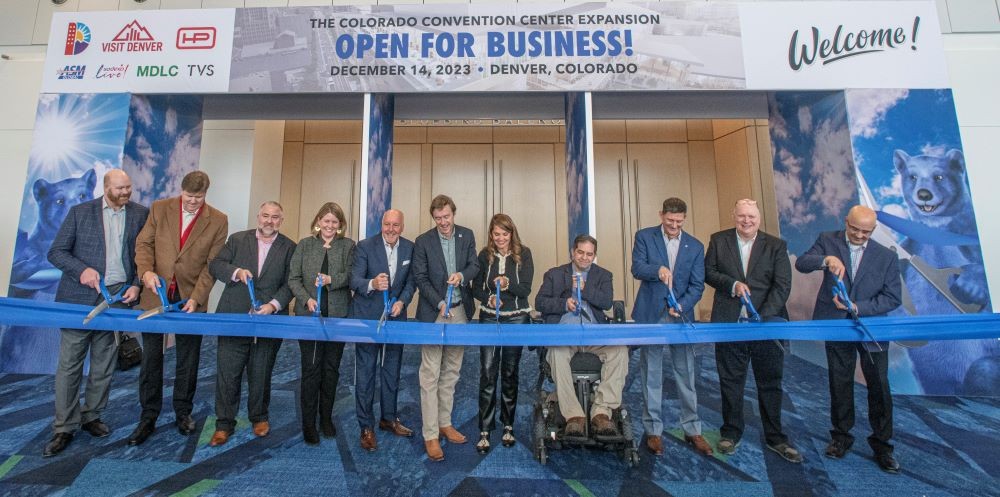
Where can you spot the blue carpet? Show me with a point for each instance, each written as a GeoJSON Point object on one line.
{"type": "Point", "coordinates": [946, 445]}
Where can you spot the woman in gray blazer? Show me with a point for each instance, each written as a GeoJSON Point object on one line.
{"type": "Point", "coordinates": [325, 257]}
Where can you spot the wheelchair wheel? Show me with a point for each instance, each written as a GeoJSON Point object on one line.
{"type": "Point", "coordinates": [632, 458]}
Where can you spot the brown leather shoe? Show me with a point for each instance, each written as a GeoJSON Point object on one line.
{"type": "Point", "coordinates": [575, 426]}
{"type": "Point", "coordinates": [395, 427]}
{"type": "Point", "coordinates": [368, 441]}
{"type": "Point", "coordinates": [602, 425]}
{"type": "Point", "coordinates": [434, 452]}
{"type": "Point", "coordinates": [218, 438]}
{"type": "Point", "coordinates": [654, 444]}
{"type": "Point", "coordinates": [699, 443]}
{"type": "Point", "coordinates": [452, 435]}
{"type": "Point", "coordinates": [261, 428]}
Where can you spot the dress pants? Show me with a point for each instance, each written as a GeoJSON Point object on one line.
{"type": "Point", "coordinates": [767, 360]}
{"type": "Point", "coordinates": [382, 361]}
{"type": "Point", "coordinates": [234, 355]}
{"type": "Point", "coordinates": [440, 366]}
{"type": "Point", "coordinates": [320, 375]}
{"type": "Point", "coordinates": [502, 362]}
{"type": "Point", "coordinates": [682, 362]}
{"type": "Point", "coordinates": [73, 346]}
{"type": "Point", "coordinates": [188, 348]}
{"type": "Point", "coordinates": [609, 393]}
{"type": "Point", "coordinates": [841, 358]}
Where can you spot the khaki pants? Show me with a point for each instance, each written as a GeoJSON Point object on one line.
{"type": "Point", "coordinates": [440, 366]}
{"type": "Point", "coordinates": [609, 392]}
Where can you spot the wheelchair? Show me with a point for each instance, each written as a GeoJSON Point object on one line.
{"type": "Point", "coordinates": [548, 424]}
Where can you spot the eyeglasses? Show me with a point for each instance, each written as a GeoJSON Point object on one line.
{"type": "Point", "coordinates": [854, 229]}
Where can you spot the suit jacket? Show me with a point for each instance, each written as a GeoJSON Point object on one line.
{"type": "Point", "coordinates": [876, 288]}
{"type": "Point", "coordinates": [431, 274]}
{"type": "Point", "coordinates": [649, 253]}
{"type": "Point", "coordinates": [271, 282]}
{"type": "Point", "coordinates": [158, 249]}
{"type": "Point", "coordinates": [769, 275]}
{"type": "Point", "coordinates": [307, 260]}
{"type": "Point", "coordinates": [557, 287]}
{"type": "Point", "coordinates": [369, 261]}
{"type": "Point", "coordinates": [79, 245]}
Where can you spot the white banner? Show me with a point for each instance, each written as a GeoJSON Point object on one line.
{"type": "Point", "coordinates": [169, 51]}
{"type": "Point", "coordinates": [500, 47]}
{"type": "Point", "coordinates": [839, 45]}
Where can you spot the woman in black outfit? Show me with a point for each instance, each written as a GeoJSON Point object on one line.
{"type": "Point", "coordinates": [326, 254]}
{"type": "Point", "coordinates": [505, 260]}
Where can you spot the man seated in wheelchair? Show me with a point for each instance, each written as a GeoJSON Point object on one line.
{"type": "Point", "coordinates": [580, 292]}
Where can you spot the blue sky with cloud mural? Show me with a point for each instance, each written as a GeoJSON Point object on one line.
{"type": "Point", "coordinates": [163, 143]}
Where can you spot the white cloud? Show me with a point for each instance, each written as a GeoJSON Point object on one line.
{"type": "Point", "coordinates": [776, 120]}
{"type": "Point", "coordinates": [170, 124]}
{"type": "Point", "coordinates": [805, 119]}
{"type": "Point", "coordinates": [788, 188]}
{"type": "Point", "coordinates": [867, 108]}
{"type": "Point", "coordinates": [934, 150]}
{"type": "Point", "coordinates": [833, 185]}
{"type": "Point", "coordinates": [142, 110]}
{"type": "Point", "coordinates": [892, 190]}
{"type": "Point", "coordinates": [184, 158]}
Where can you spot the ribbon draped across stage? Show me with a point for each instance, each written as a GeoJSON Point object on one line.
{"type": "Point", "coordinates": [21, 312]}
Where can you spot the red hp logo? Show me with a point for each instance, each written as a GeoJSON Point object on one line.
{"type": "Point", "coordinates": [196, 38]}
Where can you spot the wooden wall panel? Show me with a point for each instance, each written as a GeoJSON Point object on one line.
{"type": "Point", "coordinates": [656, 131]}
{"type": "Point", "coordinates": [461, 172]}
{"type": "Point", "coordinates": [333, 131]}
{"type": "Point", "coordinates": [329, 174]}
{"type": "Point", "coordinates": [291, 188]}
{"type": "Point", "coordinates": [614, 220]}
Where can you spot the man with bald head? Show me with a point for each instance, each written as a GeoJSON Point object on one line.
{"type": "Point", "coordinates": [746, 261]}
{"type": "Point", "coordinates": [870, 272]}
{"type": "Point", "coordinates": [381, 272]}
{"type": "Point", "coordinates": [96, 241]}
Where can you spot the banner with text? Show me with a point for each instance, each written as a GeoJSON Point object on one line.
{"type": "Point", "coordinates": [501, 47]}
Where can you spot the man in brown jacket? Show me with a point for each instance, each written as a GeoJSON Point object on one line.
{"type": "Point", "coordinates": [180, 238]}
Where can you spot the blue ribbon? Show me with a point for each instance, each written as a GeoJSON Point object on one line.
{"type": "Point", "coordinates": [30, 313]}
{"type": "Point", "coordinates": [924, 234]}
{"type": "Point", "coordinates": [254, 303]}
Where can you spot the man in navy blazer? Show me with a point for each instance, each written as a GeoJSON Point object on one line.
{"type": "Point", "coordinates": [870, 271]}
{"type": "Point", "coordinates": [443, 255]}
{"type": "Point", "coordinates": [666, 256]}
{"type": "Point", "coordinates": [557, 302]}
{"type": "Point", "coordinates": [95, 241]}
{"type": "Point", "coordinates": [746, 261]}
{"type": "Point", "coordinates": [381, 264]}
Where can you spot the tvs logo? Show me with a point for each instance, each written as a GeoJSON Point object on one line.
{"type": "Point", "coordinates": [72, 72]}
{"type": "Point", "coordinates": [77, 38]}
{"type": "Point", "coordinates": [134, 37]}
{"type": "Point", "coordinates": [202, 38]}
{"type": "Point", "coordinates": [111, 72]}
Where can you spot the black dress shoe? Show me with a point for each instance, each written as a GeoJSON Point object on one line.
{"type": "Point", "coordinates": [57, 444]}
{"type": "Point", "coordinates": [837, 449]}
{"type": "Point", "coordinates": [887, 463]}
{"type": "Point", "coordinates": [310, 435]}
{"type": "Point", "coordinates": [185, 424]}
{"type": "Point", "coordinates": [326, 426]}
{"type": "Point", "coordinates": [142, 432]}
{"type": "Point", "coordinates": [96, 428]}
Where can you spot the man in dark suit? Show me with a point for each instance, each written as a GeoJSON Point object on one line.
{"type": "Point", "coordinates": [442, 256]}
{"type": "Point", "coordinates": [557, 302]}
{"type": "Point", "coordinates": [182, 235]}
{"type": "Point", "coordinates": [259, 255]}
{"type": "Point", "coordinates": [96, 240]}
{"type": "Point", "coordinates": [381, 264]}
{"type": "Point", "coordinates": [870, 271]}
{"type": "Point", "coordinates": [666, 256]}
{"type": "Point", "coordinates": [747, 261]}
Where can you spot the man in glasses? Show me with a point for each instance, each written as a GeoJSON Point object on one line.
{"type": "Point", "coordinates": [870, 273]}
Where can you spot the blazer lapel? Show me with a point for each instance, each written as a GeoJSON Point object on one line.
{"type": "Point", "coordinates": [255, 254]}
{"type": "Point", "coordinates": [844, 252]}
{"type": "Point", "coordinates": [735, 251]}
{"type": "Point", "coordinates": [661, 248]}
{"type": "Point", "coordinates": [755, 252]}
{"type": "Point", "coordinates": [173, 223]}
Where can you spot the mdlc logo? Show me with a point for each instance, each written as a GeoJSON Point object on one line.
{"type": "Point", "coordinates": [77, 38]}
{"type": "Point", "coordinates": [134, 37]}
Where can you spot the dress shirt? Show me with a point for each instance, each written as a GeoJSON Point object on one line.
{"type": "Point", "coordinates": [114, 241]}
{"type": "Point", "coordinates": [391, 256]}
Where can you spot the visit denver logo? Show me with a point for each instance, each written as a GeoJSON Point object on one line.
{"type": "Point", "coordinates": [134, 37]}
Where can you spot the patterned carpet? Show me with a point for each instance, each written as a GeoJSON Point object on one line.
{"type": "Point", "coordinates": [946, 445]}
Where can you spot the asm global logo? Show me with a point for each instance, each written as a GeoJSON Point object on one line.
{"type": "Point", "coordinates": [134, 37]}
{"type": "Point", "coordinates": [72, 72]}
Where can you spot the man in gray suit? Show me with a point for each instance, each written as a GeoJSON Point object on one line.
{"type": "Point", "coordinates": [442, 256]}
{"type": "Point", "coordinates": [95, 241]}
{"type": "Point", "coordinates": [259, 256]}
